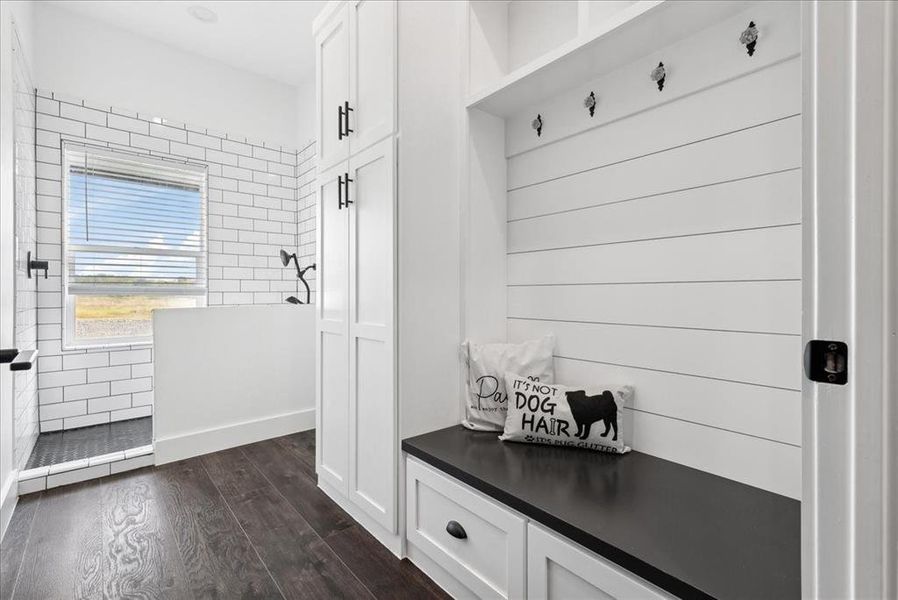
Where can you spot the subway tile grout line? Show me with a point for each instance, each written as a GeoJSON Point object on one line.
{"type": "Point", "coordinates": [168, 123]}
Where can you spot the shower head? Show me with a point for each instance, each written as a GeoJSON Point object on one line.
{"type": "Point", "coordinates": [285, 258]}
{"type": "Point", "coordinates": [300, 273]}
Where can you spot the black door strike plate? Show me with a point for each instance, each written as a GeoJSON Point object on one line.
{"type": "Point", "coordinates": [826, 361]}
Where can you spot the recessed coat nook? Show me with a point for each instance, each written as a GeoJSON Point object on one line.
{"type": "Point", "coordinates": [654, 228]}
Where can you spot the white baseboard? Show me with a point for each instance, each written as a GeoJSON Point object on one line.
{"type": "Point", "coordinates": [9, 496]}
{"type": "Point", "coordinates": [389, 540]}
{"type": "Point", "coordinates": [204, 441]}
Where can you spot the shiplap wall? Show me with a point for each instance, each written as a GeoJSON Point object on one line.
{"type": "Point", "coordinates": [660, 242]}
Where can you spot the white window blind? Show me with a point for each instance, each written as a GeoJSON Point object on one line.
{"type": "Point", "coordinates": [134, 224]}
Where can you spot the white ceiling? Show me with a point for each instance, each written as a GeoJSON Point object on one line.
{"type": "Point", "coordinates": [270, 38]}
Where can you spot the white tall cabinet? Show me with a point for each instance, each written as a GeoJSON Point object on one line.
{"type": "Point", "coordinates": [372, 359]}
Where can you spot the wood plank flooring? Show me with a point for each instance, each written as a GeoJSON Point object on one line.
{"type": "Point", "coordinates": [247, 522]}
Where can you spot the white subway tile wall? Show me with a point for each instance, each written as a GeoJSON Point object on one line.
{"type": "Point", "coordinates": [25, 406]}
{"type": "Point", "coordinates": [260, 199]}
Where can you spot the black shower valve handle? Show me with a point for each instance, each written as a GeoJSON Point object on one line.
{"type": "Point", "coordinates": [36, 265]}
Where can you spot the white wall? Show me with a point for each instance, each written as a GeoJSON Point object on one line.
{"type": "Point", "coordinates": [85, 58]}
{"type": "Point", "coordinates": [21, 12]}
{"type": "Point", "coordinates": [228, 376]}
{"type": "Point", "coordinates": [428, 257]}
{"type": "Point", "coordinates": [305, 112]}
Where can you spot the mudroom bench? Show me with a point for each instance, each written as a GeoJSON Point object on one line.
{"type": "Point", "coordinates": [577, 524]}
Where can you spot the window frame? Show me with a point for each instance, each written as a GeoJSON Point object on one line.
{"type": "Point", "coordinates": [69, 340]}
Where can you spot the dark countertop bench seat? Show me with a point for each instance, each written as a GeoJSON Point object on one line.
{"type": "Point", "coordinates": [691, 533]}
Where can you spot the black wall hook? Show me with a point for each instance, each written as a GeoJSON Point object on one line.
{"type": "Point", "coordinates": [658, 75]}
{"type": "Point", "coordinates": [749, 38]}
{"type": "Point", "coordinates": [537, 124]}
{"type": "Point", "coordinates": [590, 103]}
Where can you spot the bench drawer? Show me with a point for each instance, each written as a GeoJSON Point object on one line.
{"type": "Point", "coordinates": [490, 557]}
{"type": "Point", "coordinates": [558, 569]}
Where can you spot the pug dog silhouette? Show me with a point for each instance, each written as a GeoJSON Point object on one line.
{"type": "Point", "coordinates": [589, 409]}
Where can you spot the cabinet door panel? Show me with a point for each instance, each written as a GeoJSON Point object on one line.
{"type": "Point", "coordinates": [332, 82]}
{"type": "Point", "coordinates": [374, 427]}
{"type": "Point", "coordinates": [373, 443]}
{"type": "Point", "coordinates": [333, 240]}
{"type": "Point", "coordinates": [332, 354]}
{"type": "Point", "coordinates": [372, 71]}
{"type": "Point", "coordinates": [333, 410]}
{"type": "Point", "coordinates": [372, 217]}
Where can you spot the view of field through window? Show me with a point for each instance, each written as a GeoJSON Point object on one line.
{"type": "Point", "coordinates": [122, 316]}
{"type": "Point", "coordinates": [131, 226]}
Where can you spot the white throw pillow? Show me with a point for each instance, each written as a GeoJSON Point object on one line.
{"type": "Point", "coordinates": [486, 400]}
{"type": "Point", "coordinates": [589, 417]}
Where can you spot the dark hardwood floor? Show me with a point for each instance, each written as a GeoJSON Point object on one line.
{"type": "Point", "coordinates": [248, 522]}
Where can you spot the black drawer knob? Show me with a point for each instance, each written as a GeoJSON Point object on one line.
{"type": "Point", "coordinates": [455, 529]}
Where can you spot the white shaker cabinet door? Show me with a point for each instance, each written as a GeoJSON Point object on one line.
{"type": "Point", "coordinates": [332, 353]}
{"type": "Point", "coordinates": [372, 372]}
{"type": "Point", "coordinates": [332, 84]}
{"type": "Point", "coordinates": [372, 60]}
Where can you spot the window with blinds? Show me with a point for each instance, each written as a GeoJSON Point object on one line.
{"type": "Point", "coordinates": [135, 240]}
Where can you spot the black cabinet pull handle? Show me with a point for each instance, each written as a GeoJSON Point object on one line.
{"type": "Point", "coordinates": [339, 192]}
{"type": "Point", "coordinates": [455, 529]}
{"type": "Point", "coordinates": [339, 122]}
{"type": "Point", "coordinates": [346, 112]}
{"type": "Point", "coordinates": [347, 181]}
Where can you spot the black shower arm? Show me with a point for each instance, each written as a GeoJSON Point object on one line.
{"type": "Point", "coordinates": [308, 291]}
{"type": "Point", "coordinates": [301, 274]}
{"type": "Point", "coordinates": [302, 278]}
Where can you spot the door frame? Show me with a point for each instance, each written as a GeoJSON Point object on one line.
{"type": "Point", "coordinates": [850, 275]}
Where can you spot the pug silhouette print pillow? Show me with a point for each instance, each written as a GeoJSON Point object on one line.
{"type": "Point", "coordinates": [486, 398]}
{"type": "Point", "coordinates": [589, 417]}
